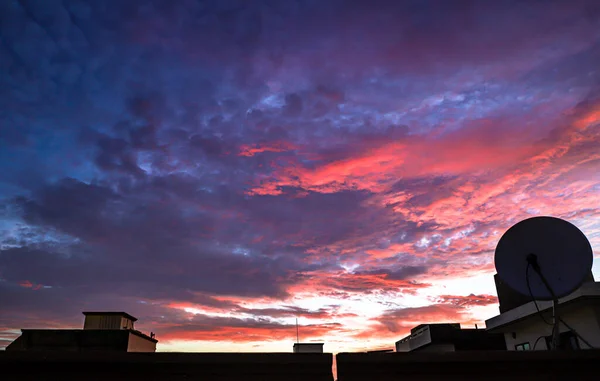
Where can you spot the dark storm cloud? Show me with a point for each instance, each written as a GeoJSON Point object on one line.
{"type": "Point", "coordinates": [70, 206]}
{"type": "Point", "coordinates": [320, 218]}
{"type": "Point", "coordinates": [142, 226]}
{"type": "Point", "coordinates": [138, 273]}
{"type": "Point", "coordinates": [127, 241]}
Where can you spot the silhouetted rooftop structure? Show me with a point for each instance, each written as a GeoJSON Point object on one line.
{"type": "Point", "coordinates": [381, 350]}
{"type": "Point", "coordinates": [471, 365]}
{"type": "Point", "coordinates": [448, 366]}
{"type": "Point", "coordinates": [308, 347]}
{"type": "Point", "coordinates": [61, 366]}
{"type": "Point", "coordinates": [102, 331]}
{"type": "Point", "coordinates": [509, 299]}
{"type": "Point", "coordinates": [449, 337]}
{"type": "Point", "coordinates": [110, 313]}
{"type": "Point", "coordinates": [524, 329]}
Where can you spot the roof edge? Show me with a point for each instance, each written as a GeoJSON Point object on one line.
{"type": "Point", "coordinates": [110, 313]}
{"type": "Point", "coordinates": [143, 335]}
{"type": "Point", "coordinates": [513, 316]}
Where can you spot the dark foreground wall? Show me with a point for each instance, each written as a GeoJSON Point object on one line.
{"type": "Point", "coordinates": [477, 365]}
{"type": "Point", "coordinates": [88, 366]}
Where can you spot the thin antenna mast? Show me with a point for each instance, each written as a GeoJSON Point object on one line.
{"type": "Point", "coordinates": [297, 332]}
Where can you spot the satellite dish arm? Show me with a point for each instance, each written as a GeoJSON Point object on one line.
{"type": "Point", "coordinates": [533, 262]}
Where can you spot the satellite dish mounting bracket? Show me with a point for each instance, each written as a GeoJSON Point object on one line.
{"type": "Point", "coordinates": [533, 262]}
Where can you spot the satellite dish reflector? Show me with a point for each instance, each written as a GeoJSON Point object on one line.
{"type": "Point", "coordinates": [563, 253]}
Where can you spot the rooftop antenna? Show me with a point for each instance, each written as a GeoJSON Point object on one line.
{"type": "Point", "coordinates": [297, 333]}
{"type": "Point", "coordinates": [559, 254]}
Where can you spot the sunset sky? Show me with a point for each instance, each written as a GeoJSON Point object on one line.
{"type": "Point", "coordinates": [220, 168]}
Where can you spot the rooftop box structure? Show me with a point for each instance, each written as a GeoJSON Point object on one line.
{"type": "Point", "coordinates": [449, 337]}
{"type": "Point", "coordinates": [108, 320]}
{"type": "Point", "coordinates": [308, 347]}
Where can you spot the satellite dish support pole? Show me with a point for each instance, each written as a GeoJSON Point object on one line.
{"type": "Point", "coordinates": [532, 260]}
{"type": "Point", "coordinates": [556, 325]}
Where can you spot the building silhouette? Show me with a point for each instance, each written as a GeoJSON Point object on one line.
{"type": "Point", "coordinates": [525, 328]}
{"type": "Point", "coordinates": [102, 331]}
{"type": "Point", "coordinates": [449, 337]}
{"type": "Point", "coordinates": [308, 347]}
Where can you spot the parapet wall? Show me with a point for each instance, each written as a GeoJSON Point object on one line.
{"type": "Point", "coordinates": [450, 366]}
{"type": "Point", "coordinates": [469, 365]}
{"type": "Point", "coordinates": [50, 366]}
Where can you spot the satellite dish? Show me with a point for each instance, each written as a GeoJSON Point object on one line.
{"type": "Point", "coordinates": [561, 250]}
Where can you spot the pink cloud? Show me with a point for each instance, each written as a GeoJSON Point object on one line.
{"type": "Point", "coordinates": [251, 150]}
{"type": "Point", "coordinates": [481, 145]}
{"type": "Point", "coordinates": [30, 285]}
{"type": "Point", "coordinates": [469, 300]}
